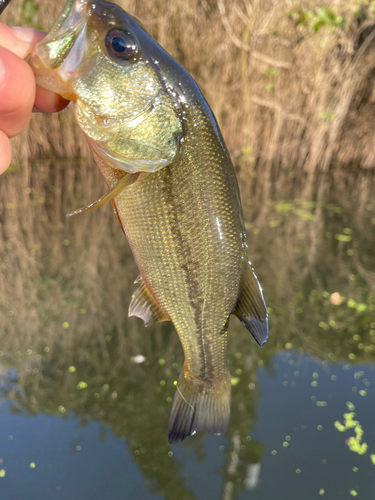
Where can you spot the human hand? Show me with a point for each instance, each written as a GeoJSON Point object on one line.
{"type": "Point", "coordinates": [19, 95]}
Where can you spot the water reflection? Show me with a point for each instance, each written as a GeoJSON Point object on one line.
{"type": "Point", "coordinates": [68, 349]}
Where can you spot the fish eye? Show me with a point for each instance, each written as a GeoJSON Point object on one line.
{"type": "Point", "coordinates": [120, 44]}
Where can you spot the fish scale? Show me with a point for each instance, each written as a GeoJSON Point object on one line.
{"type": "Point", "coordinates": [174, 190]}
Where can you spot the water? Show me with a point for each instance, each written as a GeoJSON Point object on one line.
{"type": "Point", "coordinates": [85, 391]}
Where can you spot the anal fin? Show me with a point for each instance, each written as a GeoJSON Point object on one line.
{"type": "Point", "coordinates": [143, 305]}
{"type": "Point", "coordinates": [251, 308]}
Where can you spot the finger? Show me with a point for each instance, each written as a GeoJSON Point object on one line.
{"type": "Point", "coordinates": [6, 152]}
{"type": "Point", "coordinates": [17, 93]}
{"type": "Point", "coordinates": [47, 101]}
{"type": "Point", "coordinates": [20, 41]}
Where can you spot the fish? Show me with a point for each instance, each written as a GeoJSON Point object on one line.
{"type": "Point", "coordinates": [174, 191]}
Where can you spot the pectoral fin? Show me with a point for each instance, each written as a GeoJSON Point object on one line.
{"type": "Point", "coordinates": [143, 306]}
{"type": "Point", "coordinates": [251, 308]}
{"type": "Point", "coordinates": [125, 181]}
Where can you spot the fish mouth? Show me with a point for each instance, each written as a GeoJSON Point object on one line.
{"type": "Point", "coordinates": [57, 57]}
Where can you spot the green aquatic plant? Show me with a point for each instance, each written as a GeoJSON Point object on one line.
{"type": "Point", "coordinates": [354, 443]}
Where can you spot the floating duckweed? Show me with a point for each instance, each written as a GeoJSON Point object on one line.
{"type": "Point", "coordinates": [46, 349]}
{"type": "Point", "coordinates": [372, 458]}
{"type": "Point", "coordinates": [248, 438]}
{"type": "Point", "coordinates": [321, 404]}
{"type": "Point", "coordinates": [356, 337]}
{"type": "Point", "coordinates": [136, 452]}
{"type": "Point", "coordinates": [251, 386]}
{"type": "Point", "coordinates": [321, 491]}
{"type": "Point", "coordinates": [170, 453]}
{"type": "Point", "coordinates": [2, 473]}
{"type": "Point", "coordinates": [313, 398]}
{"type": "Point", "coordinates": [314, 383]}
{"type": "Point", "coordinates": [288, 345]}
{"type": "Point", "coordinates": [169, 399]}
{"type": "Point", "coordinates": [355, 469]}
{"type": "Point", "coordinates": [353, 493]}
{"type": "Point", "coordinates": [333, 377]}
{"type": "Point", "coordinates": [260, 362]}
{"type": "Point", "coordinates": [162, 383]}
{"type": "Point", "coordinates": [82, 311]}
{"type": "Point", "coordinates": [174, 365]}
{"type": "Point", "coordinates": [274, 223]}
{"type": "Point", "coordinates": [32, 465]}
{"type": "Point", "coordinates": [351, 355]}
{"type": "Point", "coordinates": [315, 375]}
{"type": "Point", "coordinates": [221, 447]}
{"type": "Point", "coordinates": [29, 352]}
{"type": "Point", "coordinates": [238, 371]}
{"type": "Point", "coordinates": [347, 230]}
{"type": "Point", "coordinates": [343, 237]}
{"type": "Point", "coordinates": [106, 387]}
{"type": "Point", "coordinates": [62, 409]}
{"type": "Point", "coordinates": [350, 406]}
{"type": "Point", "coordinates": [361, 346]}
{"type": "Point", "coordinates": [175, 382]}
{"type": "Point", "coordinates": [108, 338]}
{"type": "Point", "coordinates": [72, 369]}
{"type": "Point", "coordinates": [323, 325]}
{"type": "Point", "coordinates": [349, 251]}
{"type": "Point", "coordinates": [358, 375]}
{"type": "Point", "coordinates": [238, 355]}
{"type": "Point", "coordinates": [65, 325]}
{"type": "Point", "coordinates": [298, 471]}
{"type": "Point", "coordinates": [285, 444]}
{"type": "Point", "coordinates": [287, 438]}
{"type": "Point", "coordinates": [161, 362]}
{"type": "Point", "coordinates": [81, 385]}
{"type": "Point", "coordinates": [362, 393]}
{"type": "Point", "coordinates": [339, 426]}
{"type": "Point", "coordinates": [78, 448]}
{"type": "Point", "coordinates": [66, 243]}
{"type": "Point", "coordinates": [354, 389]}
{"type": "Point", "coordinates": [114, 395]}
{"type": "Point", "coordinates": [235, 380]}
{"type": "Point", "coordinates": [274, 452]}
{"type": "Point", "coordinates": [319, 427]}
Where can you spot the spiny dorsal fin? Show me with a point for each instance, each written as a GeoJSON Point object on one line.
{"type": "Point", "coordinates": [251, 308]}
{"type": "Point", "coordinates": [143, 305]}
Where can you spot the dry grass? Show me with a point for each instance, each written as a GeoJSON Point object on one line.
{"type": "Point", "coordinates": [296, 109]}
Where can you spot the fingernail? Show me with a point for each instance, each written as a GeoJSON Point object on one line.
{"type": "Point", "coordinates": [24, 34]}
{"type": "Point", "coordinates": [2, 72]}
{"type": "Point", "coordinates": [28, 34]}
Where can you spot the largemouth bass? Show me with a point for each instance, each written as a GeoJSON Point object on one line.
{"type": "Point", "coordinates": [173, 188]}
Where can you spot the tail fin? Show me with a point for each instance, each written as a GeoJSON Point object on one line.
{"type": "Point", "coordinates": [199, 405]}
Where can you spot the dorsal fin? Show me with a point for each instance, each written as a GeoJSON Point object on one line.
{"type": "Point", "coordinates": [143, 305]}
{"type": "Point", "coordinates": [251, 308]}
